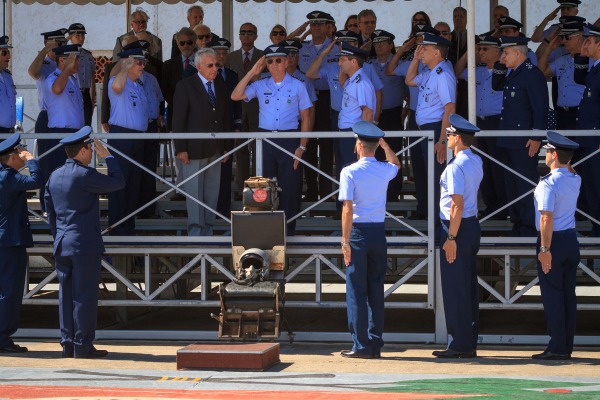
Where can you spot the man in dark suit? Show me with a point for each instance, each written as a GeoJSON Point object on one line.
{"type": "Point", "coordinates": [177, 68]}
{"type": "Point", "coordinates": [242, 61]}
{"type": "Point", "coordinates": [195, 16]}
{"type": "Point", "coordinates": [73, 213]}
{"type": "Point", "coordinates": [230, 77]}
{"type": "Point", "coordinates": [201, 105]}
{"type": "Point", "coordinates": [15, 234]}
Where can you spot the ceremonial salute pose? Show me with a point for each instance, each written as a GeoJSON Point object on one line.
{"type": "Point", "coordinates": [128, 114]}
{"type": "Point", "coordinates": [555, 200]}
{"type": "Point", "coordinates": [15, 234]}
{"type": "Point", "coordinates": [73, 213]}
{"type": "Point", "coordinates": [363, 187]}
{"type": "Point", "coordinates": [86, 71]}
{"type": "Point", "coordinates": [283, 103]}
{"type": "Point", "coordinates": [8, 93]}
{"type": "Point", "coordinates": [459, 241]}
{"type": "Point", "coordinates": [437, 99]}
{"type": "Point", "coordinates": [524, 107]}
{"type": "Point", "coordinates": [589, 118]}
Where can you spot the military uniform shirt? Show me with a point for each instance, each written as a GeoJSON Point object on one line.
{"type": "Point", "coordinates": [331, 72]}
{"type": "Point", "coordinates": [65, 110]}
{"type": "Point", "coordinates": [279, 105]}
{"type": "Point", "coordinates": [365, 184]}
{"type": "Point", "coordinates": [308, 53]}
{"type": "Point", "coordinates": [48, 67]}
{"type": "Point", "coordinates": [569, 92]}
{"type": "Point", "coordinates": [130, 108]}
{"type": "Point", "coordinates": [8, 97]}
{"type": "Point", "coordinates": [153, 94]}
{"type": "Point", "coordinates": [588, 116]}
{"type": "Point", "coordinates": [560, 50]}
{"type": "Point", "coordinates": [310, 87]}
{"type": "Point", "coordinates": [489, 101]}
{"type": "Point", "coordinates": [462, 176]}
{"type": "Point", "coordinates": [413, 91]}
{"type": "Point", "coordinates": [358, 92]}
{"type": "Point", "coordinates": [557, 192]}
{"type": "Point", "coordinates": [394, 87]}
{"type": "Point", "coordinates": [87, 68]}
{"type": "Point", "coordinates": [436, 89]}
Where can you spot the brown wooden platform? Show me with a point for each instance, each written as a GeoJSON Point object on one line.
{"type": "Point", "coordinates": [232, 356]}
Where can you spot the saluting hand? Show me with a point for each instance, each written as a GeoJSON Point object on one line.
{"type": "Point", "coordinates": [127, 63]}
{"type": "Point", "coordinates": [101, 149]}
{"type": "Point", "coordinates": [25, 155]}
{"type": "Point", "coordinates": [258, 67]}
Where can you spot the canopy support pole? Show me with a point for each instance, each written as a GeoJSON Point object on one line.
{"type": "Point", "coordinates": [127, 14]}
{"type": "Point", "coordinates": [471, 61]}
{"type": "Point", "coordinates": [227, 19]}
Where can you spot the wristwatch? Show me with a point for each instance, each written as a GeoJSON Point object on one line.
{"type": "Point", "coordinates": [544, 249]}
{"type": "Point", "coordinates": [451, 237]}
{"type": "Point", "coordinates": [344, 244]}
{"type": "Point", "coordinates": [442, 141]}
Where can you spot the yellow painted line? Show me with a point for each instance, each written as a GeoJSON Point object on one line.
{"type": "Point", "coordinates": [179, 379]}
{"type": "Point", "coordinates": [164, 378]}
{"type": "Point", "coordinates": [196, 379]}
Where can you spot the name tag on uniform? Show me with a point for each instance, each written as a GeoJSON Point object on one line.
{"type": "Point", "coordinates": [512, 94]}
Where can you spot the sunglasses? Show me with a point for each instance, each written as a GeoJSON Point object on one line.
{"type": "Point", "coordinates": [210, 66]}
{"type": "Point", "coordinates": [352, 25]}
{"type": "Point", "coordinates": [140, 63]}
{"type": "Point", "coordinates": [293, 54]}
{"type": "Point", "coordinates": [5, 52]}
{"type": "Point", "coordinates": [207, 36]}
{"type": "Point", "coordinates": [567, 38]}
{"type": "Point", "coordinates": [484, 48]}
{"type": "Point", "coordinates": [247, 33]}
{"type": "Point", "coordinates": [277, 33]}
{"type": "Point", "coordinates": [369, 22]}
{"type": "Point", "coordinates": [313, 23]}
{"type": "Point", "coordinates": [276, 60]}
{"type": "Point", "coordinates": [451, 134]}
{"type": "Point", "coordinates": [186, 42]}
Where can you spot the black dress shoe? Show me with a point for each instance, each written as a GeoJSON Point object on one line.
{"type": "Point", "coordinates": [95, 353]}
{"type": "Point", "coordinates": [453, 354]}
{"type": "Point", "coordinates": [551, 356]}
{"type": "Point", "coordinates": [354, 354]}
{"type": "Point", "coordinates": [13, 348]}
{"type": "Point", "coordinates": [67, 351]}
{"type": "Point", "coordinates": [377, 353]}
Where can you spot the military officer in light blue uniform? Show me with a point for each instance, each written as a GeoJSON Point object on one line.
{"type": "Point", "coordinates": [73, 213]}
{"type": "Point", "coordinates": [358, 101]}
{"type": "Point", "coordinates": [555, 201]}
{"type": "Point", "coordinates": [524, 107]}
{"type": "Point", "coordinates": [8, 92]}
{"type": "Point", "coordinates": [588, 117]}
{"type": "Point", "coordinates": [363, 187]}
{"type": "Point", "coordinates": [488, 109]}
{"type": "Point", "coordinates": [86, 71]}
{"type": "Point", "coordinates": [283, 107]}
{"type": "Point", "coordinates": [460, 235]}
{"type": "Point", "coordinates": [129, 113]}
{"type": "Point", "coordinates": [15, 234]}
{"type": "Point", "coordinates": [437, 99]}
{"type": "Point", "coordinates": [563, 68]}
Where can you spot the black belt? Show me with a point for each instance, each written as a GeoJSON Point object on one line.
{"type": "Point", "coordinates": [489, 117]}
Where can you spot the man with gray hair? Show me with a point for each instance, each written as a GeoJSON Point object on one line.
{"type": "Point", "coordinates": [139, 23]}
{"type": "Point", "coordinates": [201, 104]}
{"type": "Point", "coordinates": [195, 16]}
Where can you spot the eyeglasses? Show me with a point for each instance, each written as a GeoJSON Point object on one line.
{"type": "Point", "coordinates": [567, 38]}
{"type": "Point", "coordinates": [293, 54]}
{"type": "Point", "coordinates": [277, 33]}
{"type": "Point", "coordinates": [484, 48]}
{"type": "Point", "coordinates": [247, 33]}
{"type": "Point", "coordinates": [211, 66]}
{"type": "Point", "coordinates": [448, 134]}
{"type": "Point", "coordinates": [142, 22]}
{"type": "Point", "coordinates": [371, 22]}
{"type": "Point", "coordinates": [5, 52]}
{"type": "Point", "coordinates": [276, 60]}
{"type": "Point", "coordinates": [419, 21]}
{"type": "Point", "coordinates": [207, 36]}
{"type": "Point", "coordinates": [140, 63]}
{"type": "Point", "coordinates": [186, 42]}
{"type": "Point", "coordinates": [353, 25]}
{"type": "Point", "coordinates": [313, 23]}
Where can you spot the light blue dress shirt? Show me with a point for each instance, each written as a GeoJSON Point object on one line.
{"type": "Point", "coordinates": [557, 192]}
{"type": "Point", "coordinates": [489, 101]}
{"type": "Point", "coordinates": [153, 94]}
{"type": "Point", "coordinates": [365, 183]}
{"type": "Point", "coordinates": [394, 87]}
{"type": "Point", "coordinates": [462, 176]}
{"type": "Point", "coordinates": [48, 67]}
{"type": "Point", "coordinates": [128, 109]}
{"type": "Point", "coordinates": [279, 104]}
{"type": "Point", "coordinates": [8, 98]}
{"type": "Point", "coordinates": [308, 53]}
{"type": "Point", "coordinates": [65, 110]}
{"type": "Point", "coordinates": [436, 89]}
{"type": "Point", "coordinates": [358, 92]}
{"type": "Point", "coordinates": [569, 92]}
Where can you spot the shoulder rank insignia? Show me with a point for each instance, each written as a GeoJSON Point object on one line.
{"type": "Point", "coordinates": [438, 70]}
{"type": "Point", "coordinates": [357, 79]}
{"type": "Point", "coordinates": [545, 176]}
{"type": "Point", "coordinates": [529, 65]}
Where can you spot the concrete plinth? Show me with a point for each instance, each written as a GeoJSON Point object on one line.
{"type": "Point", "coordinates": [238, 356]}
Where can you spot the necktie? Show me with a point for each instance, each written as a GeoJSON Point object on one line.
{"type": "Point", "coordinates": [220, 73]}
{"type": "Point", "coordinates": [186, 64]}
{"type": "Point", "coordinates": [246, 60]}
{"type": "Point", "coordinates": [211, 94]}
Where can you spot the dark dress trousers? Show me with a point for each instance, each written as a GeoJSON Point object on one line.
{"type": "Point", "coordinates": [15, 237]}
{"type": "Point", "coordinates": [74, 216]}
